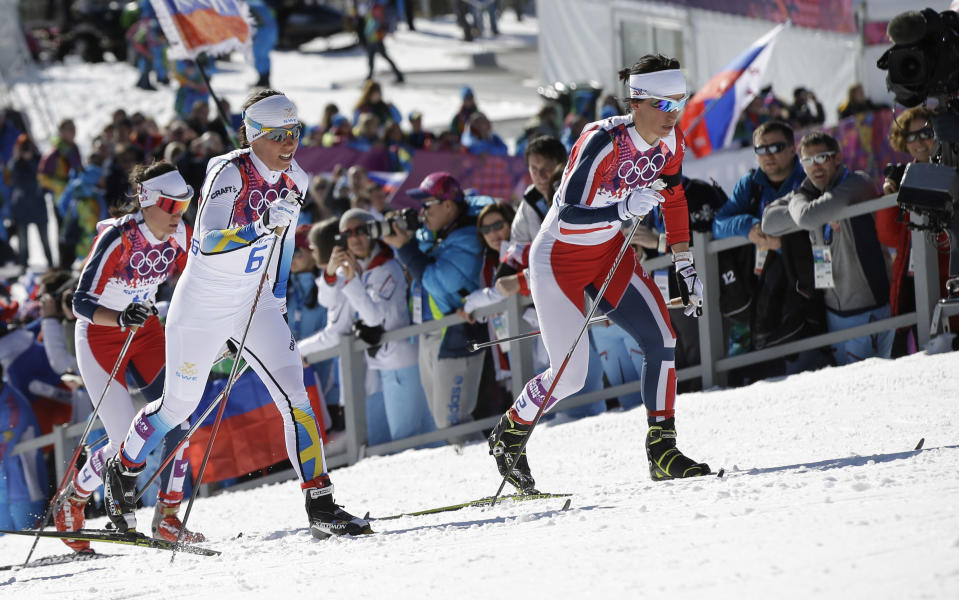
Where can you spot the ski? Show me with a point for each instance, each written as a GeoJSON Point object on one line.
{"type": "Point", "coordinates": [113, 537]}
{"type": "Point", "coordinates": [60, 559]}
{"type": "Point", "coordinates": [473, 503]}
{"type": "Point", "coordinates": [922, 442]}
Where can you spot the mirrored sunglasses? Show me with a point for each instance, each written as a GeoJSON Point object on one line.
{"type": "Point", "coordinates": [484, 229]}
{"type": "Point", "coordinates": [279, 134]}
{"type": "Point", "coordinates": [774, 148]}
{"type": "Point", "coordinates": [166, 202]}
{"type": "Point", "coordinates": [668, 104]}
{"type": "Point", "coordinates": [359, 230]}
{"type": "Point", "coordinates": [926, 133]}
{"type": "Point", "coordinates": [819, 159]}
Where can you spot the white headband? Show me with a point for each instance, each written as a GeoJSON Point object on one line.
{"type": "Point", "coordinates": [272, 111]}
{"type": "Point", "coordinates": [169, 184]}
{"type": "Point", "coordinates": [657, 83]}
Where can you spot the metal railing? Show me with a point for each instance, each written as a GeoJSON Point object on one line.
{"type": "Point", "coordinates": [712, 369]}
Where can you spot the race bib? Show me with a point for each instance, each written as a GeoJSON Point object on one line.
{"type": "Point", "coordinates": [760, 260]}
{"type": "Point", "coordinates": [417, 308]}
{"type": "Point", "coordinates": [822, 267]}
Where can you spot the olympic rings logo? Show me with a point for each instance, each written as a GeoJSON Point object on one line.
{"type": "Point", "coordinates": [644, 169]}
{"type": "Point", "coordinates": [259, 201]}
{"type": "Point", "coordinates": [153, 261]}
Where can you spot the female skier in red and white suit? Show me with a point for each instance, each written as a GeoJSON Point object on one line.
{"type": "Point", "coordinates": [619, 169]}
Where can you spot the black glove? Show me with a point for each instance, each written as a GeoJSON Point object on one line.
{"type": "Point", "coordinates": [135, 314]}
{"type": "Point", "coordinates": [370, 335]}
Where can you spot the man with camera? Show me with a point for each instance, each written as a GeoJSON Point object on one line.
{"type": "Point", "coordinates": [444, 261]}
{"type": "Point", "coordinates": [363, 275]}
{"type": "Point", "coordinates": [848, 262]}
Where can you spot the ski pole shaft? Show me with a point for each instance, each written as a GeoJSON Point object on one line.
{"type": "Point", "coordinates": [474, 346]}
{"type": "Point", "coordinates": [186, 437]}
{"type": "Point", "coordinates": [54, 504]}
{"type": "Point", "coordinates": [279, 231]}
{"type": "Point", "coordinates": [562, 367]}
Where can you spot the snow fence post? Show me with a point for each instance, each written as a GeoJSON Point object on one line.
{"type": "Point", "coordinates": [926, 263]}
{"type": "Point", "coordinates": [353, 394]}
{"type": "Point", "coordinates": [520, 355]}
{"type": "Point", "coordinates": [711, 342]}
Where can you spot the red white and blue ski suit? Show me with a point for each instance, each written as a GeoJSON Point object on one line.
{"type": "Point", "coordinates": [575, 251]}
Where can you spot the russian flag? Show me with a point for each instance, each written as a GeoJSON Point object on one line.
{"type": "Point", "coordinates": [711, 114]}
{"type": "Point", "coordinates": [212, 26]}
{"type": "Point", "coordinates": [390, 181]}
{"type": "Point", "coordinates": [250, 437]}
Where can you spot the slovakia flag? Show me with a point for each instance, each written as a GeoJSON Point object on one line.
{"type": "Point", "coordinates": [711, 114]}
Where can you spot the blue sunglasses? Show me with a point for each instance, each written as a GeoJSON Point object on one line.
{"type": "Point", "coordinates": [668, 104]}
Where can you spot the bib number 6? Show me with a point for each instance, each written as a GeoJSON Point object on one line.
{"type": "Point", "coordinates": [256, 260]}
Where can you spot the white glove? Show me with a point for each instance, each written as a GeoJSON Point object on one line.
{"type": "Point", "coordinates": [690, 287]}
{"type": "Point", "coordinates": [279, 213]}
{"type": "Point", "coordinates": [639, 202]}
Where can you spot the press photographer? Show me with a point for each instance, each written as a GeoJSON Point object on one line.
{"type": "Point", "coordinates": [364, 279]}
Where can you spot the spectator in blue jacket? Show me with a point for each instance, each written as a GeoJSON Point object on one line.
{"type": "Point", "coordinates": [778, 174]}
{"type": "Point", "coordinates": [444, 261]}
{"type": "Point", "coordinates": [479, 137]}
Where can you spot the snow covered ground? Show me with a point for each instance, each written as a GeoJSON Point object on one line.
{"type": "Point", "coordinates": [823, 498]}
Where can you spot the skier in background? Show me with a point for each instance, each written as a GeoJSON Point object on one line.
{"type": "Point", "coordinates": [132, 255]}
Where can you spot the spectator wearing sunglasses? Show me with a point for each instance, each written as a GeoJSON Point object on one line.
{"type": "Point", "coordinates": [444, 261]}
{"type": "Point", "coordinates": [911, 133]}
{"type": "Point", "coordinates": [364, 279]}
{"type": "Point", "coordinates": [779, 173]}
{"type": "Point", "coordinates": [849, 263]}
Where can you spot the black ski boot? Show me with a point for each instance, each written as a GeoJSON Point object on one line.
{"type": "Point", "coordinates": [504, 441]}
{"type": "Point", "coordinates": [119, 493]}
{"type": "Point", "coordinates": [327, 518]}
{"type": "Point", "coordinates": [665, 461]}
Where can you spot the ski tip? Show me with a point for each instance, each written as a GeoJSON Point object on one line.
{"type": "Point", "coordinates": [721, 473]}
{"type": "Point", "coordinates": [566, 504]}
{"type": "Point", "coordinates": [366, 517]}
{"type": "Point", "coordinates": [922, 441]}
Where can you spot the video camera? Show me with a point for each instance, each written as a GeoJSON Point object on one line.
{"type": "Point", "coordinates": [924, 62]}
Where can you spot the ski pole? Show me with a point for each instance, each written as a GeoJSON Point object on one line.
{"type": "Point", "coordinates": [193, 428]}
{"type": "Point", "coordinates": [562, 367]}
{"type": "Point", "coordinates": [278, 232]}
{"type": "Point", "coordinates": [474, 346]}
{"type": "Point", "coordinates": [54, 503]}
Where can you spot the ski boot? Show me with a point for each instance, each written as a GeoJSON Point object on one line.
{"type": "Point", "coordinates": [327, 518]}
{"type": "Point", "coordinates": [503, 443]}
{"type": "Point", "coordinates": [665, 461]}
{"type": "Point", "coordinates": [119, 492]}
{"type": "Point", "coordinates": [69, 516]}
{"type": "Point", "coordinates": [166, 523]}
